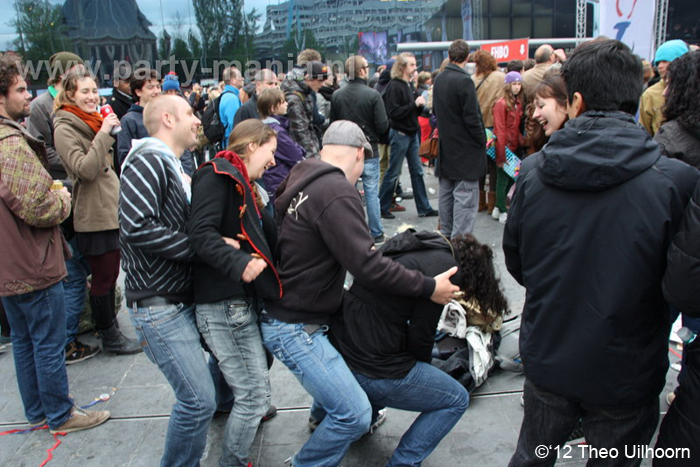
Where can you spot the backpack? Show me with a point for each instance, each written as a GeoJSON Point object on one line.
{"type": "Point", "coordinates": [214, 128]}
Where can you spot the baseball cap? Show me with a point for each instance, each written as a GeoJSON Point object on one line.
{"type": "Point", "coordinates": [347, 133]}
{"type": "Point", "coordinates": [316, 70]}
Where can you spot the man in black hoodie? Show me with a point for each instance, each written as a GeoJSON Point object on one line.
{"type": "Point", "coordinates": [323, 235]}
{"type": "Point", "coordinates": [587, 235]}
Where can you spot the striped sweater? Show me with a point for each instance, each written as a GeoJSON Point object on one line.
{"type": "Point", "coordinates": [153, 211]}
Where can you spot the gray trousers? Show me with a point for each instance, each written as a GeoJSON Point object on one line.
{"type": "Point", "coordinates": [458, 205]}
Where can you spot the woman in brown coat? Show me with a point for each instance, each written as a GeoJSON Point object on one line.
{"type": "Point", "coordinates": [83, 140]}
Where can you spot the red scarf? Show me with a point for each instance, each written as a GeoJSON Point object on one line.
{"type": "Point", "coordinates": [93, 120]}
{"type": "Point", "coordinates": [237, 162]}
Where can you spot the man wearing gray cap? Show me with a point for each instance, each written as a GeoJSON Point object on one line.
{"type": "Point", "coordinates": [322, 236]}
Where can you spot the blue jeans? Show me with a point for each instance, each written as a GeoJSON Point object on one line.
{"type": "Point", "coordinates": [230, 329]}
{"type": "Point", "coordinates": [549, 420]}
{"type": "Point", "coordinates": [339, 401]}
{"type": "Point", "coordinates": [169, 337]}
{"type": "Point", "coordinates": [38, 322]}
{"type": "Point", "coordinates": [75, 287]}
{"type": "Point", "coordinates": [404, 147]}
{"type": "Point", "coordinates": [370, 183]}
{"type": "Point", "coordinates": [440, 398]}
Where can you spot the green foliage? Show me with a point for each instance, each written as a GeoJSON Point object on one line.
{"type": "Point", "coordinates": [164, 45]}
{"type": "Point", "coordinates": [40, 28]}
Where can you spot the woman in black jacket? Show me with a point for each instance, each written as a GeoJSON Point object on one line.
{"type": "Point", "coordinates": [680, 428]}
{"type": "Point", "coordinates": [387, 340]}
{"type": "Point", "coordinates": [233, 237]}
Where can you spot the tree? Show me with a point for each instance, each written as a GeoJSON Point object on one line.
{"type": "Point", "coordinates": [164, 45]}
{"type": "Point", "coordinates": [220, 23]}
{"type": "Point", "coordinates": [194, 44]}
{"type": "Point", "coordinates": [40, 28]}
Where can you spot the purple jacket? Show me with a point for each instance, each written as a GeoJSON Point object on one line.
{"type": "Point", "coordinates": [289, 153]}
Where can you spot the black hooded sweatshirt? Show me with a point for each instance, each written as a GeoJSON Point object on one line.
{"type": "Point", "coordinates": [587, 234]}
{"type": "Point", "coordinates": [323, 235]}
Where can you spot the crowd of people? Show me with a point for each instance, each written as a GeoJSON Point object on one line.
{"type": "Point", "coordinates": [235, 260]}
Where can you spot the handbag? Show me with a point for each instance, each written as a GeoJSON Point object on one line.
{"type": "Point", "coordinates": [429, 148]}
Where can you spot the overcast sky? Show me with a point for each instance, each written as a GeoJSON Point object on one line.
{"type": "Point", "coordinates": [150, 8]}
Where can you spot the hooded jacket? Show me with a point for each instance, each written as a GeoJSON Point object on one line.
{"type": "Point", "coordinates": [382, 335]}
{"type": "Point", "coordinates": [587, 235]}
{"type": "Point", "coordinates": [300, 112]}
{"type": "Point", "coordinates": [323, 235]}
{"type": "Point", "coordinates": [223, 206]}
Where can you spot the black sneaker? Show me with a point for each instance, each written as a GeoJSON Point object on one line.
{"type": "Point", "coordinates": [76, 352]}
{"type": "Point", "coordinates": [431, 213]}
{"type": "Point", "coordinates": [388, 215]}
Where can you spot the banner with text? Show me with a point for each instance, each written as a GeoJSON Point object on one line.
{"type": "Point", "coordinates": [630, 21]}
{"type": "Point", "coordinates": [508, 50]}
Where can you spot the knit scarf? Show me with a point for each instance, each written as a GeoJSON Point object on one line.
{"type": "Point", "coordinates": [237, 162]}
{"type": "Point", "coordinates": [93, 120]}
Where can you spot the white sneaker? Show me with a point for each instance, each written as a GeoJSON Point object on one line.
{"type": "Point", "coordinates": [503, 218]}
{"type": "Point", "coordinates": [495, 213]}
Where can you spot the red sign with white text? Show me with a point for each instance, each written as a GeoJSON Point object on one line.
{"type": "Point", "coordinates": [508, 50]}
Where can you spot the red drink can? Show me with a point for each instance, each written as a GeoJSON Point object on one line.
{"type": "Point", "coordinates": [106, 110]}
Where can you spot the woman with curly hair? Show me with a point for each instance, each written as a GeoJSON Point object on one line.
{"type": "Point", "coordinates": [679, 137]}
{"type": "Point", "coordinates": [387, 340]}
{"type": "Point", "coordinates": [488, 80]}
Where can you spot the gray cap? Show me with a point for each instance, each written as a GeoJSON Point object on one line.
{"type": "Point", "coordinates": [347, 133]}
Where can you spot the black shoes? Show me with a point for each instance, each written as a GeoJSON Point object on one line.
{"type": "Point", "coordinates": [76, 352]}
{"type": "Point", "coordinates": [431, 213]}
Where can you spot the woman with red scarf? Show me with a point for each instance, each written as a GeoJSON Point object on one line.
{"type": "Point", "coordinates": [234, 237]}
{"type": "Point", "coordinates": [83, 140]}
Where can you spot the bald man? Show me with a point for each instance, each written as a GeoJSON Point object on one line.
{"type": "Point", "coordinates": [154, 206]}
{"type": "Point", "coordinates": [545, 57]}
{"type": "Point", "coordinates": [264, 79]}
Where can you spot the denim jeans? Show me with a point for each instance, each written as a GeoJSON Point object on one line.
{"type": "Point", "coordinates": [458, 204]}
{"type": "Point", "coordinates": [370, 183]}
{"type": "Point", "coordinates": [75, 287]}
{"type": "Point", "coordinates": [404, 147]}
{"type": "Point", "coordinates": [169, 337]}
{"type": "Point", "coordinates": [440, 398]}
{"type": "Point", "coordinates": [550, 418]}
{"type": "Point", "coordinates": [339, 401]}
{"type": "Point", "coordinates": [230, 329]}
{"type": "Point", "coordinates": [38, 322]}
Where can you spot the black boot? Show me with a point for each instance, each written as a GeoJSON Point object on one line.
{"type": "Point", "coordinates": [112, 339]}
{"type": "Point", "coordinates": [113, 302]}
{"type": "Point", "coordinates": [115, 342]}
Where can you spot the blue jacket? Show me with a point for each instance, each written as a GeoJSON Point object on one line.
{"type": "Point", "coordinates": [132, 128]}
{"type": "Point", "coordinates": [228, 106]}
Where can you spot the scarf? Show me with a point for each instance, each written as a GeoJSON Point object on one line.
{"type": "Point", "coordinates": [237, 162]}
{"type": "Point", "coordinates": [93, 120]}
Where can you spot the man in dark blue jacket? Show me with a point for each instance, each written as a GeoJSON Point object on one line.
{"type": "Point", "coordinates": [145, 85]}
{"type": "Point", "coordinates": [587, 234]}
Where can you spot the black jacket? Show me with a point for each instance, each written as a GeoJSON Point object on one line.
{"type": "Point", "coordinates": [363, 105]}
{"type": "Point", "coordinates": [383, 335]}
{"type": "Point", "coordinates": [247, 111]}
{"type": "Point", "coordinates": [679, 142]}
{"type": "Point", "coordinates": [593, 216]}
{"type": "Point", "coordinates": [322, 235]}
{"type": "Point", "coordinates": [121, 103]}
{"type": "Point", "coordinates": [401, 107]}
{"type": "Point", "coordinates": [223, 206]}
{"type": "Point", "coordinates": [462, 140]}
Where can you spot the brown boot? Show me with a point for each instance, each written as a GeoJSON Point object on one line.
{"type": "Point", "coordinates": [491, 202]}
{"type": "Point", "coordinates": [482, 200]}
